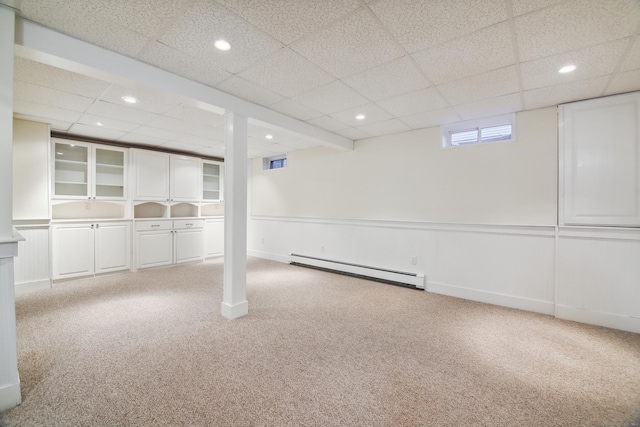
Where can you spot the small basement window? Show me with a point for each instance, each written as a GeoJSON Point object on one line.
{"type": "Point", "coordinates": [479, 131]}
{"type": "Point", "coordinates": [275, 162]}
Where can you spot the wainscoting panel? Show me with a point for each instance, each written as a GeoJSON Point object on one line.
{"type": "Point", "coordinates": [32, 265]}
{"type": "Point", "coordinates": [598, 276]}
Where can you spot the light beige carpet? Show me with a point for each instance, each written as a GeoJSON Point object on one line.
{"type": "Point", "coordinates": [317, 349]}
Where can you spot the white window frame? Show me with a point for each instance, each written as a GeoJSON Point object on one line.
{"type": "Point", "coordinates": [479, 124]}
{"type": "Point", "coordinates": [266, 161]}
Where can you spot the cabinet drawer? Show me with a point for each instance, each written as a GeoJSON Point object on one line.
{"type": "Point", "coordinates": [188, 223]}
{"type": "Point", "coordinates": [153, 225]}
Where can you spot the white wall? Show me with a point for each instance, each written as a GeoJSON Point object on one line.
{"type": "Point", "coordinates": [409, 177]}
{"type": "Point", "coordinates": [30, 170]}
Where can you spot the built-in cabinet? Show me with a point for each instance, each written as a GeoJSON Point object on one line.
{"type": "Point", "coordinates": [600, 162]}
{"type": "Point", "coordinates": [165, 207]}
{"type": "Point", "coordinates": [88, 171]}
{"type": "Point", "coordinates": [85, 248]}
{"type": "Point", "coordinates": [166, 242]}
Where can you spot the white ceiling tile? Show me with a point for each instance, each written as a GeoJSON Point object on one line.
{"type": "Point", "coordinates": [385, 128]}
{"type": "Point", "coordinates": [327, 123]}
{"type": "Point", "coordinates": [372, 113]}
{"type": "Point", "coordinates": [95, 132]}
{"type": "Point", "coordinates": [82, 19]}
{"type": "Point", "coordinates": [302, 75]}
{"type": "Point", "coordinates": [195, 115]}
{"type": "Point", "coordinates": [299, 144]}
{"type": "Point", "coordinates": [197, 140]}
{"type": "Point", "coordinates": [490, 107]}
{"type": "Point", "coordinates": [591, 62]}
{"type": "Point", "coordinates": [419, 24]}
{"type": "Point", "coordinates": [169, 123]}
{"type": "Point", "coordinates": [632, 59]}
{"type": "Point", "coordinates": [488, 85]}
{"type": "Point", "coordinates": [56, 78]}
{"type": "Point", "coordinates": [624, 82]}
{"type": "Point", "coordinates": [573, 25]}
{"type": "Point", "coordinates": [353, 133]}
{"type": "Point", "coordinates": [43, 95]}
{"type": "Point", "coordinates": [149, 99]}
{"type": "Point", "coordinates": [390, 79]}
{"type": "Point", "coordinates": [367, 45]}
{"type": "Point", "coordinates": [484, 50]}
{"type": "Point", "coordinates": [295, 109]}
{"type": "Point", "coordinates": [259, 130]}
{"type": "Point", "coordinates": [554, 95]}
{"type": "Point", "coordinates": [45, 111]}
{"type": "Point", "coordinates": [108, 123]}
{"type": "Point", "coordinates": [157, 133]}
{"type": "Point", "coordinates": [431, 118]}
{"type": "Point", "coordinates": [121, 112]}
{"type": "Point", "coordinates": [414, 102]}
{"type": "Point", "coordinates": [331, 98]}
{"type": "Point", "coordinates": [521, 7]}
{"type": "Point", "coordinates": [257, 153]}
{"type": "Point", "coordinates": [288, 20]}
{"type": "Point", "coordinates": [263, 145]}
{"type": "Point", "coordinates": [204, 70]}
{"type": "Point", "coordinates": [205, 22]}
{"type": "Point", "coordinates": [55, 124]}
{"type": "Point", "coordinates": [250, 91]}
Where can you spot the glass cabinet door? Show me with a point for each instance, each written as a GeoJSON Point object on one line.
{"type": "Point", "coordinates": [109, 178]}
{"type": "Point", "coordinates": [210, 181]}
{"type": "Point", "coordinates": [71, 170]}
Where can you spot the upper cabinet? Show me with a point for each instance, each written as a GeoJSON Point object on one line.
{"type": "Point", "coordinates": [88, 171]}
{"type": "Point", "coordinates": [211, 181]}
{"type": "Point", "coordinates": [166, 177]}
{"type": "Point", "coordinates": [600, 162]}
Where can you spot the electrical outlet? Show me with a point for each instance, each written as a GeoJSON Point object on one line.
{"type": "Point", "coordinates": [321, 248]}
{"type": "Point", "coordinates": [414, 260]}
{"type": "Point", "coordinates": [262, 240]}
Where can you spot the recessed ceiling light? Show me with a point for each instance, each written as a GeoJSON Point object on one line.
{"type": "Point", "coordinates": [130, 99]}
{"type": "Point", "coordinates": [99, 124]}
{"type": "Point", "coordinates": [222, 45]}
{"type": "Point", "coordinates": [567, 69]}
{"type": "Point", "coordinates": [360, 117]}
{"type": "Point", "coordinates": [269, 136]}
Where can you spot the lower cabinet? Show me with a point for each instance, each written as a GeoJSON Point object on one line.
{"type": "Point", "coordinates": [86, 248]}
{"type": "Point", "coordinates": [213, 237]}
{"type": "Point", "coordinates": [166, 242]}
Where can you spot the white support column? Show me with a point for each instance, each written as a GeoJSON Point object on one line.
{"type": "Point", "coordinates": [234, 303]}
{"type": "Point", "coordinates": [9, 378]}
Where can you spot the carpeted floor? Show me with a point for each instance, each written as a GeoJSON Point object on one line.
{"type": "Point", "coordinates": [317, 349]}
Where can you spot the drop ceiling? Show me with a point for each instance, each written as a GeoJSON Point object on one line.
{"type": "Point", "coordinates": [404, 64]}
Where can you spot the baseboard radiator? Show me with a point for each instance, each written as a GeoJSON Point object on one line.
{"type": "Point", "coordinates": [403, 278]}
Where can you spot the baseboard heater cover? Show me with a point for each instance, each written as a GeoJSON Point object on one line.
{"type": "Point", "coordinates": [414, 280]}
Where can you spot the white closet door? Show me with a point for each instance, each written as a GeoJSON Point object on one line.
{"type": "Point", "coordinates": [600, 162]}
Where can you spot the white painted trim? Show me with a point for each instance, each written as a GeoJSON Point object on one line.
{"type": "Point", "coordinates": [536, 306]}
{"type": "Point", "coordinates": [610, 233]}
{"type": "Point", "coordinates": [10, 396]}
{"type": "Point", "coordinates": [270, 256]}
{"type": "Point", "coordinates": [525, 230]}
{"type": "Point", "coordinates": [598, 318]}
{"type": "Point", "coordinates": [45, 45]}
{"type": "Point", "coordinates": [235, 311]}
{"type": "Point", "coordinates": [23, 288]}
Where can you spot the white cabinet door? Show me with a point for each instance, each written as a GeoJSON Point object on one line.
{"type": "Point", "coordinates": [188, 245]}
{"type": "Point", "coordinates": [71, 170]}
{"type": "Point", "coordinates": [112, 246]}
{"type": "Point", "coordinates": [151, 175]}
{"type": "Point", "coordinates": [73, 250]}
{"type": "Point", "coordinates": [154, 248]}
{"type": "Point", "coordinates": [186, 178]}
{"type": "Point", "coordinates": [600, 161]}
{"type": "Point", "coordinates": [214, 238]}
{"type": "Point", "coordinates": [109, 166]}
{"type": "Point", "coordinates": [211, 181]}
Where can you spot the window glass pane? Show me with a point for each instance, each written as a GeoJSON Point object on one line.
{"type": "Point", "coordinates": [496, 133]}
{"type": "Point", "coordinates": [464, 137]}
{"type": "Point", "coordinates": [277, 164]}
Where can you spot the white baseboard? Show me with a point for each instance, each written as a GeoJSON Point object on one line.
{"type": "Point", "coordinates": [234, 311]}
{"type": "Point", "coordinates": [598, 318]}
{"type": "Point", "coordinates": [536, 306]}
{"type": "Point", "coordinates": [10, 396]}
{"type": "Point", "coordinates": [37, 285]}
{"type": "Point", "coordinates": [270, 256]}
